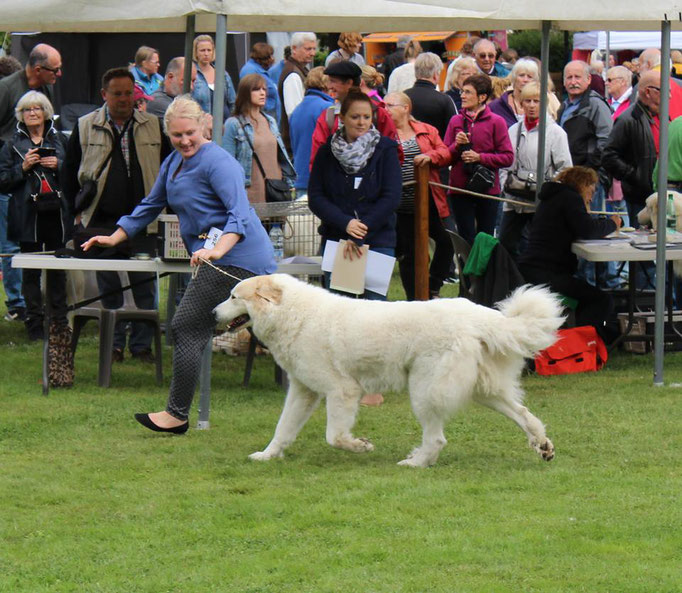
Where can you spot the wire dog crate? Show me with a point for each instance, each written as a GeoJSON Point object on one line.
{"type": "Point", "coordinates": [299, 225]}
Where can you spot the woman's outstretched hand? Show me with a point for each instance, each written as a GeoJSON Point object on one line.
{"type": "Point", "coordinates": [98, 240]}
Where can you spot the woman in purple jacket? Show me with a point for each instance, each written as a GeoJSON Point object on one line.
{"type": "Point", "coordinates": [476, 135]}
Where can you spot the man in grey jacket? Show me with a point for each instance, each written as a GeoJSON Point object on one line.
{"type": "Point", "coordinates": [585, 116]}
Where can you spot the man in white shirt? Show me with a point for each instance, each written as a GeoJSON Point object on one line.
{"type": "Point", "coordinates": [291, 86]}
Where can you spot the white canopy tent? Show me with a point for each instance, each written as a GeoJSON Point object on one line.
{"type": "Point", "coordinates": [364, 15]}
{"type": "Point", "coordinates": [620, 40]}
{"type": "Point", "coordinates": [75, 16]}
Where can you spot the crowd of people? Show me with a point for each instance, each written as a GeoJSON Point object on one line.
{"type": "Point", "coordinates": [347, 135]}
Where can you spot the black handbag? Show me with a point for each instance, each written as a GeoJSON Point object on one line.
{"type": "Point", "coordinates": [276, 190]}
{"type": "Point", "coordinates": [88, 190]}
{"type": "Point", "coordinates": [45, 198]}
{"type": "Point", "coordinates": [481, 178]}
{"type": "Point", "coordinates": [85, 196]}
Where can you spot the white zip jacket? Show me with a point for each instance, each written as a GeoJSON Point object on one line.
{"type": "Point", "coordinates": [557, 155]}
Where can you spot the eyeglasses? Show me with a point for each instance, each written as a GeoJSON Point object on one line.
{"type": "Point", "coordinates": [34, 109]}
{"type": "Point", "coordinates": [487, 55]}
{"type": "Point", "coordinates": [656, 88]}
{"type": "Point", "coordinates": [394, 105]}
{"type": "Point", "coordinates": [53, 70]}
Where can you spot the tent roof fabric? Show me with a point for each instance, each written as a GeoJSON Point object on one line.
{"type": "Point", "coordinates": [349, 15]}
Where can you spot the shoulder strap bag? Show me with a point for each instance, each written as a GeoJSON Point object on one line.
{"type": "Point", "coordinates": [276, 190]}
{"type": "Point", "coordinates": [481, 178]}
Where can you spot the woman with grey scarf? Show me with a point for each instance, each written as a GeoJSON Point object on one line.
{"type": "Point", "coordinates": [355, 183]}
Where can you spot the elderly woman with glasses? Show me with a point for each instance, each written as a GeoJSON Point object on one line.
{"type": "Point", "coordinates": [461, 69]}
{"type": "Point", "coordinates": [38, 216]}
{"type": "Point", "coordinates": [146, 69]}
{"type": "Point", "coordinates": [509, 106]}
{"type": "Point", "coordinates": [421, 145]}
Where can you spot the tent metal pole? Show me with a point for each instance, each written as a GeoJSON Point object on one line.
{"type": "Point", "coordinates": [542, 126]}
{"type": "Point", "coordinates": [219, 89]}
{"type": "Point", "coordinates": [607, 58]}
{"type": "Point", "coordinates": [190, 30]}
{"type": "Point", "coordinates": [664, 111]}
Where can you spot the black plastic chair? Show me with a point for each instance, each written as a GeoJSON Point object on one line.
{"type": "Point", "coordinates": [462, 250]}
{"type": "Point", "coordinates": [107, 320]}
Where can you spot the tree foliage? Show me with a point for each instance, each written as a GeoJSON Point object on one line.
{"type": "Point", "coordinates": [528, 43]}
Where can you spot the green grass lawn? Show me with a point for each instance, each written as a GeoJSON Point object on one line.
{"type": "Point", "coordinates": [91, 502]}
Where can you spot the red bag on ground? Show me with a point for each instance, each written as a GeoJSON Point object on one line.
{"type": "Point", "coordinates": [578, 350]}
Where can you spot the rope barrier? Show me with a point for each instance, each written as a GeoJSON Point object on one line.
{"type": "Point", "coordinates": [461, 190]}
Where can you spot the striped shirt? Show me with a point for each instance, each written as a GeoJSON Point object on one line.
{"type": "Point", "coordinates": [410, 150]}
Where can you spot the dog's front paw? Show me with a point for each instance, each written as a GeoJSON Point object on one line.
{"type": "Point", "coordinates": [354, 445]}
{"type": "Point", "coordinates": [264, 456]}
{"type": "Point", "coordinates": [417, 458]}
{"type": "Point", "coordinates": [411, 462]}
{"type": "Point", "coordinates": [544, 449]}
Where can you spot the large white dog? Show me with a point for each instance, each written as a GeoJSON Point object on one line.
{"type": "Point", "coordinates": [445, 351]}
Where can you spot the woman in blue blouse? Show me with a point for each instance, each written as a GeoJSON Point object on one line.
{"type": "Point", "coordinates": [204, 186]}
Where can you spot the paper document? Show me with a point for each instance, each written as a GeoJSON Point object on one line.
{"type": "Point", "coordinates": [378, 271]}
{"type": "Point", "coordinates": [348, 275]}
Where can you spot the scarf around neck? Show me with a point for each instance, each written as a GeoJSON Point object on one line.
{"type": "Point", "coordinates": [353, 156]}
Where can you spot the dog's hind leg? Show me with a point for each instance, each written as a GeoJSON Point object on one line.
{"type": "Point", "coordinates": [341, 411]}
{"type": "Point", "coordinates": [299, 405]}
{"type": "Point", "coordinates": [507, 403]}
{"type": "Point", "coordinates": [433, 402]}
{"type": "Point", "coordinates": [433, 440]}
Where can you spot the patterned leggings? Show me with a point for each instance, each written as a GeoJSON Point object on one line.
{"type": "Point", "coordinates": [192, 328]}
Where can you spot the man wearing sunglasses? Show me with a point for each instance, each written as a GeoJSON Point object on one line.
{"type": "Point", "coordinates": [485, 55]}
{"type": "Point", "coordinates": [43, 69]}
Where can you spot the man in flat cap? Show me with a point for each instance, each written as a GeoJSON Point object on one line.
{"type": "Point", "coordinates": [343, 75]}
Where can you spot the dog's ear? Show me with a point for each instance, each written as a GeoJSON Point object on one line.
{"type": "Point", "coordinates": [269, 292]}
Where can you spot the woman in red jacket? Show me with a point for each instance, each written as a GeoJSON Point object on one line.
{"type": "Point", "coordinates": [476, 135]}
{"type": "Point", "coordinates": [421, 145]}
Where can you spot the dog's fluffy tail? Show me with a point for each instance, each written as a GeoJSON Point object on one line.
{"type": "Point", "coordinates": [534, 314]}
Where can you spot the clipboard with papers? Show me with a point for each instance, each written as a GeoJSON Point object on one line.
{"type": "Point", "coordinates": [372, 272]}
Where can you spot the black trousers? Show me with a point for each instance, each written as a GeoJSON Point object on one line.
{"type": "Point", "coordinates": [474, 215]}
{"type": "Point", "coordinates": [442, 255]}
{"type": "Point", "coordinates": [49, 234]}
{"type": "Point", "coordinates": [514, 228]}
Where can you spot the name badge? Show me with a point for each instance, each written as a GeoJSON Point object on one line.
{"type": "Point", "coordinates": [213, 235]}
{"type": "Point", "coordinates": [358, 181]}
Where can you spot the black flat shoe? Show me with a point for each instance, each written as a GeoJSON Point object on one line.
{"type": "Point", "coordinates": [146, 421]}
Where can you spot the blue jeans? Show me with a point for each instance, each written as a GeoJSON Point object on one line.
{"type": "Point", "coordinates": [11, 277]}
{"type": "Point", "coordinates": [368, 294]}
{"type": "Point", "coordinates": [608, 277]}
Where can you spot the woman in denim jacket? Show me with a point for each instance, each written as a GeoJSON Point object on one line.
{"type": "Point", "coordinates": [250, 129]}
{"type": "Point", "coordinates": [204, 56]}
